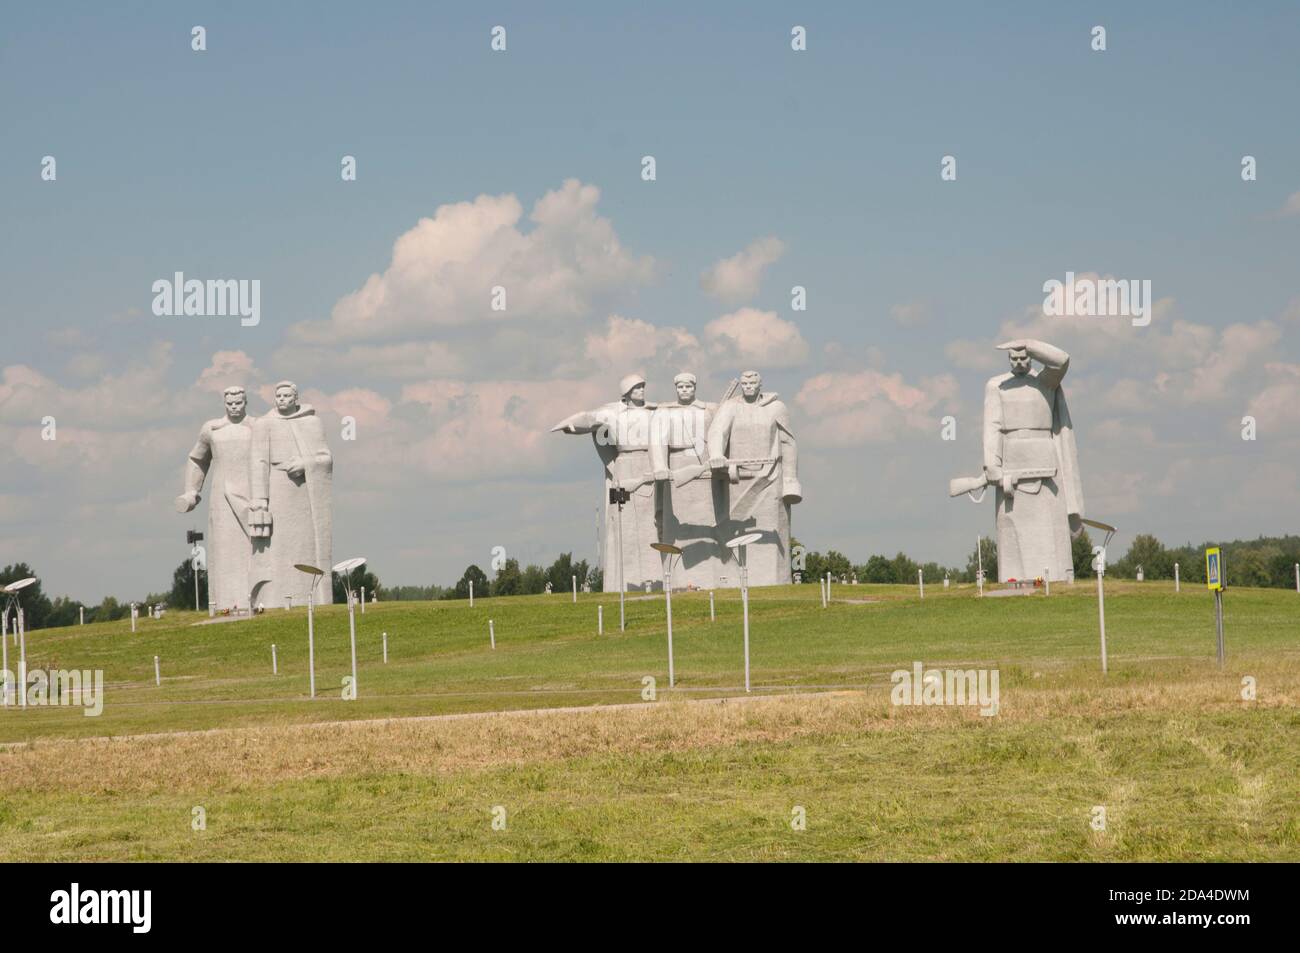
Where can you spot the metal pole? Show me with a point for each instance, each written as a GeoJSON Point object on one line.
{"type": "Point", "coordinates": [600, 620]}
{"type": "Point", "coordinates": [4, 641]}
{"type": "Point", "coordinates": [920, 581]}
{"type": "Point", "coordinates": [133, 617]}
{"type": "Point", "coordinates": [575, 590]}
{"type": "Point", "coordinates": [195, 569]}
{"type": "Point", "coordinates": [828, 589]}
{"type": "Point", "coordinates": [363, 600]}
{"type": "Point", "coordinates": [622, 587]}
{"type": "Point", "coordinates": [385, 648]}
{"type": "Point", "coordinates": [352, 632]}
{"type": "Point", "coordinates": [275, 663]}
{"type": "Point", "coordinates": [712, 616]}
{"type": "Point", "coordinates": [1218, 619]}
{"type": "Point", "coordinates": [744, 606]}
{"type": "Point", "coordinates": [668, 595]}
{"type": "Point", "coordinates": [311, 637]}
{"type": "Point", "coordinates": [1101, 615]}
{"type": "Point", "coordinates": [157, 672]}
{"type": "Point", "coordinates": [22, 658]}
{"type": "Point", "coordinates": [492, 634]}
{"type": "Point", "coordinates": [979, 562]}
{"type": "Point", "coordinates": [1297, 577]}
{"type": "Point", "coordinates": [471, 593]}
{"type": "Point", "coordinates": [81, 614]}
{"type": "Point", "coordinates": [1178, 585]}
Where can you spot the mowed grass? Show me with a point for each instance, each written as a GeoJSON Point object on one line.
{"type": "Point", "coordinates": [1185, 768]}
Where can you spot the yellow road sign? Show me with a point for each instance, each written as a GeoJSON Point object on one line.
{"type": "Point", "coordinates": [1213, 568]}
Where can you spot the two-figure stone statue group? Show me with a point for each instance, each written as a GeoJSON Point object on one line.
{"type": "Point", "coordinates": [269, 508]}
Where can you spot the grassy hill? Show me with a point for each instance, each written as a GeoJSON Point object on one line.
{"type": "Point", "coordinates": [1184, 766]}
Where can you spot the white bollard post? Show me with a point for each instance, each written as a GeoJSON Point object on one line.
{"type": "Point", "coordinates": [600, 620]}
{"type": "Point", "coordinates": [133, 611]}
{"type": "Point", "coordinates": [288, 603]}
{"type": "Point", "coordinates": [712, 617]}
{"type": "Point", "coordinates": [471, 593]}
{"type": "Point", "coordinates": [385, 648]}
{"type": "Point", "coordinates": [1047, 582]}
{"type": "Point", "coordinates": [275, 663]}
{"type": "Point", "coordinates": [492, 634]}
{"type": "Point", "coordinates": [1297, 577]}
{"type": "Point", "coordinates": [363, 600]}
{"type": "Point", "coordinates": [1178, 583]}
{"type": "Point", "coordinates": [575, 590]}
{"type": "Point", "coordinates": [4, 642]}
{"type": "Point", "coordinates": [920, 581]}
{"type": "Point", "coordinates": [157, 672]}
{"type": "Point", "coordinates": [81, 614]}
{"type": "Point", "coordinates": [828, 590]}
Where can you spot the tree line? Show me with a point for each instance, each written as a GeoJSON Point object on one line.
{"type": "Point", "coordinates": [1266, 562]}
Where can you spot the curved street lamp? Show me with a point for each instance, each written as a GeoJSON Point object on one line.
{"type": "Point", "coordinates": [311, 636]}
{"type": "Point", "coordinates": [667, 552]}
{"type": "Point", "coordinates": [739, 544]}
{"type": "Point", "coordinates": [20, 629]}
{"type": "Point", "coordinates": [1099, 564]}
{"type": "Point", "coordinates": [346, 568]}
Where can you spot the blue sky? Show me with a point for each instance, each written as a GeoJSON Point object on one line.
{"type": "Point", "coordinates": [226, 164]}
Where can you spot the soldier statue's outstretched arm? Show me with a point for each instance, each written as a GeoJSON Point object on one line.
{"type": "Point", "coordinates": [196, 471]}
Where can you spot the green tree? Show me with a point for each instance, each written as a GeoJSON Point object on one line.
{"type": "Point", "coordinates": [364, 579]}
{"type": "Point", "coordinates": [182, 593]}
{"type": "Point", "coordinates": [837, 564]}
{"type": "Point", "coordinates": [472, 574]}
{"type": "Point", "coordinates": [1148, 552]}
{"type": "Point", "coordinates": [987, 551]}
{"type": "Point", "coordinates": [509, 581]}
{"type": "Point", "coordinates": [36, 605]}
{"type": "Point", "coordinates": [878, 569]}
{"type": "Point", "coordinates": [1081, 555]}
{"type": "Point", "coordinates": [533, 580]}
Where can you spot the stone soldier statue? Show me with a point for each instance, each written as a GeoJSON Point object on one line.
{"type": "Point", "coordinates": [291, 517]}
{"type": "Point", "coordinates": [225, 442]}
{"type": "Point", "coordinates": [691, 497]}
{"type": "Point", "coordinates": [750, 441]}
{"type": "Point", "coordinates": [621, 431]}
{"type": "Point", "coordinates": [1030, 456]}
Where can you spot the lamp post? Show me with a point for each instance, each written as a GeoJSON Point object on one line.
{"type": "Point", "coordinates": [13, 602]}
{"type": "Point", "coordinates": [311, 635]}
{"type": "Point", "coordinates": [739, 544]}
{"type": "Point", "coordinates": [346, 568]}
{"type": "Point", "coordinates": [194, 537]}
{"type": "Point", "coordinates": [1099, 564]}
{"type": "Point", "coordinates": [667, 553]}
{"type": "Point", "coordinates": [619, 496]}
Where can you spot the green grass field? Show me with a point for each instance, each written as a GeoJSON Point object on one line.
{"type": "Point", "coordinates": [1185, 768]}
